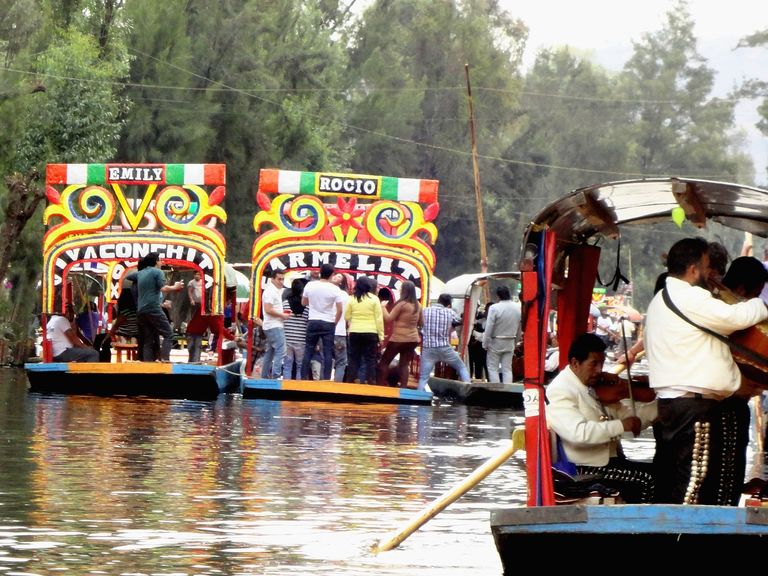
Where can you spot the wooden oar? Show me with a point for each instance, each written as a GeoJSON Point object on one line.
{"type": "Point", "coordinates": [394, 539]}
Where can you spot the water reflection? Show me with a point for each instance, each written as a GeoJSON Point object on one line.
{"type": "Point", "coordinates": [139, 486]}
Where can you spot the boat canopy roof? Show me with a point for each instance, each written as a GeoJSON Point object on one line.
{"type": "Point", "coordinates": [600, 209]}
{"type": "Point", "coordinates": [461, 286]}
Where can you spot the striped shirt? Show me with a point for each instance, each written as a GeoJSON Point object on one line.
{"type": "Point", "coordinates": [295, 326]}
{"type": "Point", "coordinates": [438, 323]}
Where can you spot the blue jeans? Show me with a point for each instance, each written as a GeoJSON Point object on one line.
{"type": "Point", "coordinates": [194, 345]}
{"type": "Point", "coordinates": [274, 350]}
{"type": "Point", "coordinates": [294, 356]}
{"type": "Point", "coordinates": [323, 331]}
{"type": "Point", "coordinates": [431, 356]}
{"type": "Point", "coordinates": [339, 357]}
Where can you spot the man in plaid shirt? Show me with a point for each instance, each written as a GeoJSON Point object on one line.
{"type": "Point", "coordinates": [439, 320]}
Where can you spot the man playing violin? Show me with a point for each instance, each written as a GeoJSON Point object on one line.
{"type": "Point", "coordinates": [590, 428]}
{"type": "Point", "coordinates": [692, 372]}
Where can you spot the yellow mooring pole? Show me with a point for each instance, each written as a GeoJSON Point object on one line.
{"type": "Point", "coordinates": [394, 539]}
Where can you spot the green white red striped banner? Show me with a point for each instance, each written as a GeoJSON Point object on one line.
{"type": "Point", "coordinates": [102, 174]}
{"type": "Point", "coordinates": [273, 181]}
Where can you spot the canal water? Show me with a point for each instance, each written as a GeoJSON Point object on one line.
{"type": "Point", "coordinates": [130, 486]}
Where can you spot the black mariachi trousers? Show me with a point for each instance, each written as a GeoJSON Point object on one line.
{"type": "Point", "coordinates": [701, 450]}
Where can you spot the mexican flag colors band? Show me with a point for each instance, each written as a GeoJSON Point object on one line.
{"type": "Point", "coordinates": [141, 174]}
{"type": "Point", "coordinates": [358, 185]}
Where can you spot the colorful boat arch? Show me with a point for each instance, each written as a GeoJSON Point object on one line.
{"type": "Point", "coordinates": [92, 217]}
{"type": "Point", "coordinates": [374, 225]}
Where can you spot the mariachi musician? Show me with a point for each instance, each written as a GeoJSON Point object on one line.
{"type": "Point", "coordinates": [692, 371]}
{"type": "Point", "coordinates": [589, 420]}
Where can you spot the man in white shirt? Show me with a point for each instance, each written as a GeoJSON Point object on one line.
{"type": "Point", "coordinates": [340, 335]}
{"type": "Point", "coordinates": [325, 310]}
{"type": "Point", "coordinates": [500, 335]}
{"type": "Point", "coordinates": [590, 431]}
{"type": "Point", "coordinates": [692, 371]}
{"type": "Point", "coordinates": [66, 346]}
{"type": "Point", "coordinates": [274, 326]}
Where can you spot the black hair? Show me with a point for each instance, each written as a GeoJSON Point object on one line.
{"type": "Point", "coordinates": [503, 293]}
{"type": "Point", "coordinates": [326, 271]}
{"type": "Point", "coordinates": [746, 272]}
{"type": "Point", "coordinates": [684, 253]}
{"type": "Point", "coordinates": [363, 286]}
{"type": "Point", "coordinates": [385, 294]}
{"type": "Point", "coordinates": [661, 281]}
{"type": "Point", "coordinates": [583, 345]}
{"type": "Point", "coordinates": [444, 299]}
{"type": "Point", "coordinates": [718, 257]}
{"type": "Point", "coordinates": [151, 259]}
{"type": "Point", "coordinates": [294, 297]}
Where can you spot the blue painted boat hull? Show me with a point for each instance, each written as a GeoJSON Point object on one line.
{"type": "Point", "coordinates": [151, 379]}
{"type": "Point", "coordinates": [329, 390]}
{"type": "Point", "coordinates": [634, 535]}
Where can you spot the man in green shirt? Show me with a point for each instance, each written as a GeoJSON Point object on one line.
{"type": "Point", "coordinates": [152, 319]}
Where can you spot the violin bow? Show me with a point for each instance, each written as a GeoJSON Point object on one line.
{"type": "Point", "coordinates": [629, 373]}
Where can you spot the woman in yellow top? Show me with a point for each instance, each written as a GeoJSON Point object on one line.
{"type": "Point", "coordinates": [365, 329]}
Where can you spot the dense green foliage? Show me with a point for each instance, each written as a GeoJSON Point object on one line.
{"type": "Point", "coordinates": [316, 85]}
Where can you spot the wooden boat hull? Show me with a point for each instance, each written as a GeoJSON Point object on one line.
{"type": "Point", "coordinates": [330, 391]}
{"type": "Point", "coordinates": [153, 379]}
{"type": "Point", "coordinates": [623, 531]}
{"type": "Point", "coordinates": [478, 394]}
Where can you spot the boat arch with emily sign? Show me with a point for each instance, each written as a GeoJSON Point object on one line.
{"type": "Point", "coordinates": [110, 216]}
{"type": "Point", "coordinates": [364, 225]}
{"type": "Point", "coordinates": [561, 255]}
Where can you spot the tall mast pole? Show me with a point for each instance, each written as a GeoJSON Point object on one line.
{"type": "Point", "coordinates": [476, 174]}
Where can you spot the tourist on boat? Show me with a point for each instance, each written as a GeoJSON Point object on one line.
{"type": "Point", "coordinates": [365, 329]}
{"type": "Point", "coordinates": [387, 300]}
{"type": "Point", "coordinates": [501, 331]}
{"type": "Point", "coordinates": [274, 318]}
{"type": "Point", "coordinates": [125, 328]}
{"type": "Point", "coordinates": [552, 358]}
{"type": "Point", "coordinates": [692, 371]}
{"type": "Point", "coordinates": [325, 310]}
{"type": "Point", "coordinates": [340, 335]}
{"type": "Point", "coordinates": [200, 325]}
{"type": "Point", "coordinates": [230, 290]}
{"type": "Point", "coordinates": [195, 293]}
{"type": "Point", "coordinates": [295, 329]}
{"type": "Point", "coordinates": [406, 319]}
{"type": "Point", "coordinates": [152, 321]}
{"type": "Point", "coordinates": [89, 321]}
{"type": "Point", "coordinates": [66, 345]}
{"type": "Point", "coordinates": [439, 322]}
{"type": "Point", "coordinates": [603, 325]}
{"type": "Point", "coordinates": [478, 366]}
{"type": "Point", "coordinates": [590, 430]}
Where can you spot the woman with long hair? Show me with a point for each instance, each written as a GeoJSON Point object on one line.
{"type": "Point", "coordinates": [406, 318]}
{"type": "Point", "coordinates": [365, 329]}
{"type": "Point", "coordinates": [295, 329]}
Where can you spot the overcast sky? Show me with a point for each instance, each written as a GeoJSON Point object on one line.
{"type": "Point", "coordinates": [608, 28]}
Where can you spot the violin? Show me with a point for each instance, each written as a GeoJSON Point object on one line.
{"type": "Point", "coordinates": [612, 388]}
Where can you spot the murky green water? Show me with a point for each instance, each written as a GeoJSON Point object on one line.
{"type": "Point", "coordinates": [135, 486]}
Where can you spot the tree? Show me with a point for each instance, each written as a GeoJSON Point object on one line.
{"type": "Point", "coordinates": [68, 112]}
{"type": "Point", "coordinates": [757, 88]}
{"type": "Point", "coordinates": [409, 113]}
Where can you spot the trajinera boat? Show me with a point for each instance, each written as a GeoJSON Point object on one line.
{"type": "Point", "coordinates": [377, 226]}
{"type": "Point", "coordinates": [101, 219]}
{"type": "Point", "coordinates": [469, 293]}
{"type": "Point", "coordinates": [561, 251]}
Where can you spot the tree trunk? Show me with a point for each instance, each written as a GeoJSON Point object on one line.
{"type": "Point", "coordinates": [23, 198]}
